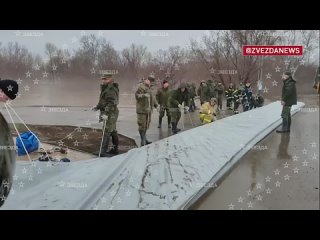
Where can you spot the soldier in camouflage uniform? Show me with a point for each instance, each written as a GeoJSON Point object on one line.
{"type": "Point", "coordinates": [211, 89]}
{"type": "Point", "coordinates": [145, 101]}
{"type": "Point", "coordinates": [193, 94]}
{"type": "Point", "coordinates": [219, 91]}
{"type": "Point", "coordinates": [176, 98]}
{"type": "Point", "coordinates": [162, 97]}
{"type": "Point", "coordinates": [203, 92]}
{"type": "Point", "coordinates": [108, 106]}
{"type": "Point", "coordinates": [8, 90]}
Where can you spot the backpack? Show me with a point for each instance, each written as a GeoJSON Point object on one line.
{"type": "Point", "coordinates": [30, 142]}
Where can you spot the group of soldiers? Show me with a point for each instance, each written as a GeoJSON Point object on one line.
{"type": "Point", "coordinates": [169, 102]}
{"type": "Point", "coordinates": [235, 96]}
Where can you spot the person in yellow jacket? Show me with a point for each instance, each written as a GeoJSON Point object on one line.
{"type": "Point", "coordinates": [208, 111]}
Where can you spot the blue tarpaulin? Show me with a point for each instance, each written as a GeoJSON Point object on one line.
{"type": "Point", "coordinates": [30, 142]}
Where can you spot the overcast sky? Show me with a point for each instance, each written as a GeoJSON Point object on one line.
{"type": "Point", "coordinates": [35, 40]}
{"type": "Point", "coordinates": [154, 40]}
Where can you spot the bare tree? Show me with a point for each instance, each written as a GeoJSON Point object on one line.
{"type": "Point", "coordinates": [222, 50]}
{"type": "Point", "coordinates": [133, 57]}
{"type": "Point", "coordinates": [108, 57]}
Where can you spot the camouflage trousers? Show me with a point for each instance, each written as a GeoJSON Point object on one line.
{"type": "Point", "coordinates": [111, 122]}
{"type": "Point", "coordinates": [164, 110]}
{"type": "Point", "coordinates": [219, 101]}
{"type": "Point", "coordinates": [144, 120]}
{"type": "Point", "coordinates": [175, 114]}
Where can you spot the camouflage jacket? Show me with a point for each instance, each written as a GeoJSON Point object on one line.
{"type": "Point", "coordinates": [109, 98]}
{"type": "Point", "coordinates": [162, 96]}
{"type": "Point", "coordinates": [192, 90]}
{"type": "Point", "coordinates": [211, 90]}
{"type": "Point", "coordinates": [219, 89]}
{"type": "Point", "coordinates": [7, 159]}
{"type": "Point", "coordinates": [145, 99]}
{"type": "Point", "coordinates": [203, 93]}
{"type": "Point", "coordinates": [176, 97]}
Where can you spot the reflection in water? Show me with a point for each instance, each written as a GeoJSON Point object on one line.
{"type": "Point", "coordinates": [253, 174]}
{"type": "Point", "coordinates": [283, 146]}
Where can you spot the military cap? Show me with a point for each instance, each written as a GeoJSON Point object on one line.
{"type": "Point", "coordinates": [106, 75]}
{"type": "Point", "coordinates": [287, 73]}
{"type": "Point", "coordinates": [213, 100]}
{"type": "Point", "coordinates": [183, 85]}
{"type": "Point", "coordinates": [151, 78]}
{"type": "Point", "coordinates": [9, 88]}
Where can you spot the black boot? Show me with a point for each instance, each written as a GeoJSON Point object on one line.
{"type": "Point", "coordinates": [174, 128]}
{"type": "Point", "coordinates": [147, 142]}
{"type": "Point", "coordinates": [115, 142]}
{"type": "Point", "coordinates": [284, 126]}
{"type": "Point", "coordinates": [143, 137]}
{"type": "Point", "coordinates": [105, 144]}
{"type": "Point", "coordinates": [160, 122]}
{"type": "Point", "coordinates": [169, 122]}
{"type": "Point", "coordinates": [289, 123]}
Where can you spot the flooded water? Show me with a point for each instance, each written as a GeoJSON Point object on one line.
{"type": "Point", "coordinates": [68, 93]}
{"type": "Point", "coordinates": [290, 160]}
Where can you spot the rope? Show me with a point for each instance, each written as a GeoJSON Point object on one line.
{"type": "Point", "coordinates": [41, 145]}
{"type": "Point", "coordinates": [14, 125]}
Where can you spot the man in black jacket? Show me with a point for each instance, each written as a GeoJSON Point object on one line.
{"type": "Point", "coordinates": [289, 98]}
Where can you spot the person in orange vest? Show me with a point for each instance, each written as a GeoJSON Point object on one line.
{"type": "Point", "coordinates": [208, 111]}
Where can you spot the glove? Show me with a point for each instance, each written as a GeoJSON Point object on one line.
{"type": "Point", "coordinates": [179, 106]}
{"type": "Point", "coordinates": [158, 108]}
{"type": "Point", "coordinates": [104, 117]}
{"type": "Point", "coordinates": [94, 109]}
{"type": "Point", "coordinates": [186, 108]}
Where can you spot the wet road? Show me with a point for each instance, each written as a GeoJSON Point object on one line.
{"type": "Point", "coordinates": [293, 183]}
{"type": "Point", "coordinates": [85, 117]}
{"type": "Point", "coordinates": [280, 172]}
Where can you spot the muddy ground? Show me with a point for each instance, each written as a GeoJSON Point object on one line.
{"type": "Point", "coordinates": [82, 139]}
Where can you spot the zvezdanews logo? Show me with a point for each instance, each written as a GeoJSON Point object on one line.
{"type": "Point", "coordinates": [254, 50]}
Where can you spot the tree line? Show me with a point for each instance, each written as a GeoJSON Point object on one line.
{"type": "Point", "coordinates": [204, 58]}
